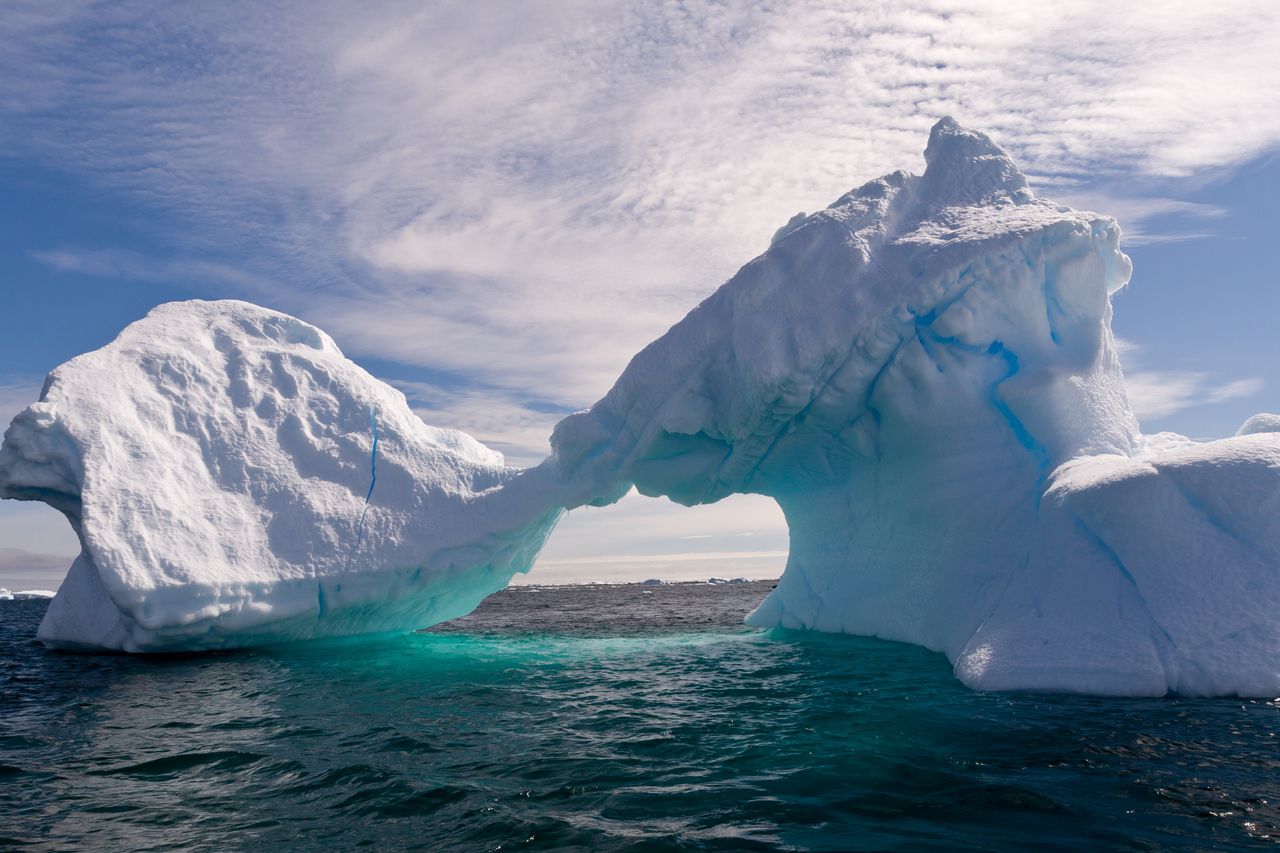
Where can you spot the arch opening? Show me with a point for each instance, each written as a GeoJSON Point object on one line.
{"type": "Point", "coordinates": [641, 538]}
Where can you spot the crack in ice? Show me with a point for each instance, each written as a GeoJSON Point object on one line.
{"type": "Point", "coordinates": [373, 476]}
{"type": "Point", "coordinates": [364, 512]}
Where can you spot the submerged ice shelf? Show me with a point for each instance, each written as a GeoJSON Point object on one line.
{"type": "Point", "coordinates": [922, 376]}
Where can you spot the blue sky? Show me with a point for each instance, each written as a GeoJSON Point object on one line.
{"type": "Point", "coordinates": [495, 205]}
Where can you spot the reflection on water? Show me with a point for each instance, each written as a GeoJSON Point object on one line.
{"type": "Point", "coordinates": [603, 718]}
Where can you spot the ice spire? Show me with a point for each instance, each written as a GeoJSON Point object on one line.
{"type": "Point", "coordinates": [965, 167]}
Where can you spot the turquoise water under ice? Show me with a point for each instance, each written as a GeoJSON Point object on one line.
{"type": "Point", "coordinates": [606, 718]}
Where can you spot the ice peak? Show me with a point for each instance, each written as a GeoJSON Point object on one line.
{"type": "Point", "coordinates": [965, 167]}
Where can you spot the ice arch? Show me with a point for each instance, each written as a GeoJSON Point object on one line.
{"type": "Point", "coordinates": [922, 376]}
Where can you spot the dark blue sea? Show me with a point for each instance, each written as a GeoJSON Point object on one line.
{"type": "Point", "coordinates": [599, 718]}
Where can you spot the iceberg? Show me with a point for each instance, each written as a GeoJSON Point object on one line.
{"type": "Point", "coordinates": [25, 594]}
{"type": "Point", "coordinates": [922, 375]}
{"type": "Point", "coordinates": [235, 480]}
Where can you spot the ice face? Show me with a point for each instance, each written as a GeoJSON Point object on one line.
{"type": "Point", "coordinates": [922, 376]}
{"type": "Point", "coordinates": [234, 479]}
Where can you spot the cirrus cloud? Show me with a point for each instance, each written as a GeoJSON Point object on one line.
{"type": "Point", "coordinates": [508, 177]}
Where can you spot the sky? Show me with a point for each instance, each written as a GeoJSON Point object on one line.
{"type": "Point", "coordinates": [494, 205]}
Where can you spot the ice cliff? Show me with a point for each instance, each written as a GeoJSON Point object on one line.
{"type": "Point", "coordinates": [922, 376]}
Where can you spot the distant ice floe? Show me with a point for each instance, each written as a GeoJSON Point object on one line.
{"type": "Point", "coordinates": [922, 375]}
{"type": "Point", "coordinates": [25, 594]}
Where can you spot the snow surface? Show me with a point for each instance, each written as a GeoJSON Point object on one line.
{"type": "Point", "coordinates": [1261, 422]}
{"type": "Point", "coordinates": [923, 376]}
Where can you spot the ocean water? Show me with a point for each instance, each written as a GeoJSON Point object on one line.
{"type": "Point", "coordinates": [606, 718]}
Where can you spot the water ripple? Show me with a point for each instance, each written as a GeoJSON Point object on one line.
{"type": "Point", "coordinates": [607, 718]}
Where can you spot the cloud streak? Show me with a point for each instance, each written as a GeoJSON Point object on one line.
{"type": "Point", "coordinates": [529, 192]}
{"type": "Point", "coordinates": [1156, 394]}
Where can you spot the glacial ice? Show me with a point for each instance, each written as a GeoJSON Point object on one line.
{"type": "Point", "coordinates": [922, 375]}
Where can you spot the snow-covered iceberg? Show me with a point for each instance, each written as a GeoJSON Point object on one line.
{"type": "Point", "coordinates": [922, 376]}
{"type": "Point", "coordinates": [235, 480]}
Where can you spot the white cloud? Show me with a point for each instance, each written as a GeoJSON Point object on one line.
{"type": "Point", "coordinates": [1156, 394]}
{"type": "Point", "coordinates": [743, 535]}
{"type": "Point", "coordinates": [538, 188]}
{"type": "Point", "coordinates": [521, 431]}
{"type": "Point", "coordinates": [135, 266]}
{"type": "Point", "coordinates": [740, 522]}
{"type": "Point", "coordinates": [1126, 348]}
{"type": "Point", "coordinates": [1236, 388]}
{"type": "Point", "coordinates": [1136, 214]}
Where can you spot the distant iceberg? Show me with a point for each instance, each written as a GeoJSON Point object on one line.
{"type": "Point", "coordinates": [922, 375]}
{"type": "Point", "coordinates": [25, 594]}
